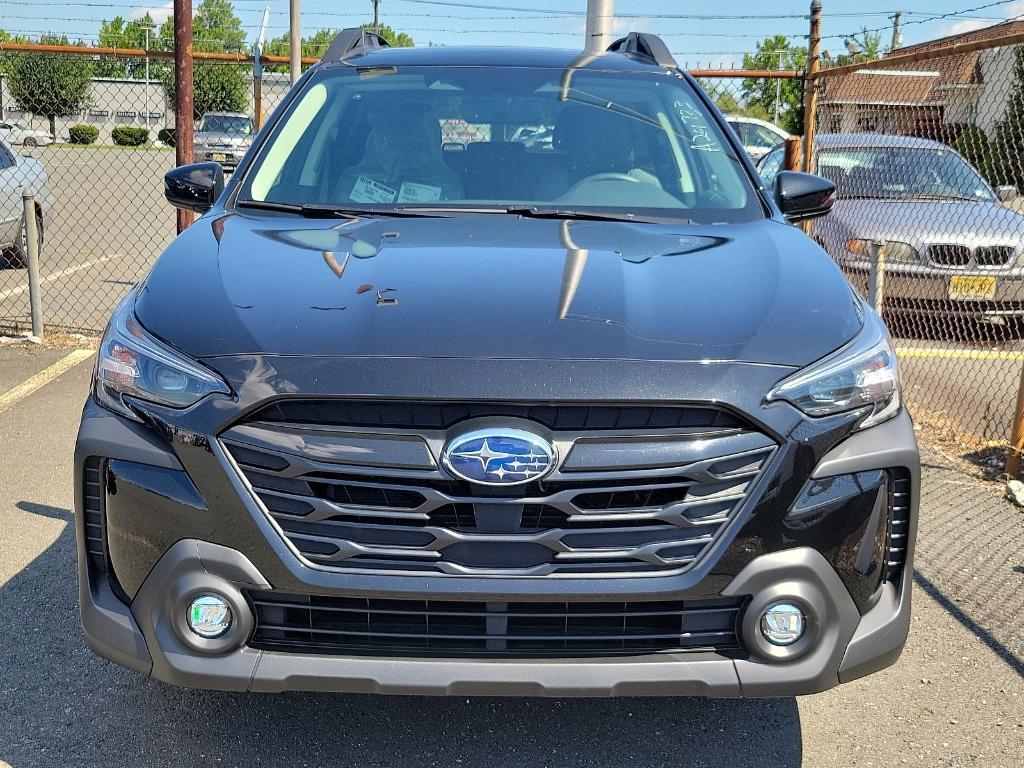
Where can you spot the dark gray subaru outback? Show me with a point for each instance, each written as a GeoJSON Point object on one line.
{"type": "Point", "coordinates": [422, 406]}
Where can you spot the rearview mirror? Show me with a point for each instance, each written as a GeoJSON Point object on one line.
{"type": "Point", "coordinates": [194, 187]}
{"type": "Point", "coordinates": [1006, 192]}
{"type": "Point", "coordinates": [803, 196]}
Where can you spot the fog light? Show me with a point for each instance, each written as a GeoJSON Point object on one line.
{"type": "Point", "coordinates": [782, 624]}
{"type": "Point", "coordinates": [209, 616]}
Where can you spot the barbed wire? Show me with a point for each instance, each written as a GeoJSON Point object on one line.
{"type": "Point", "coordinates": [936, 17]}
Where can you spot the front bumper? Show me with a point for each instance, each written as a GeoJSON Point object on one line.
{"type": "Point", "coordinates": [147, 638]}
{"type": "Point", "coordinates": [180, 547]}
{"type": "Point", "coordinates": [926, 292]}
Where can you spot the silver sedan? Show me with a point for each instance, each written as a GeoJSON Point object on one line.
{"type": "Point", "coordinates": [16, 174]}
{"type": "Point", "coordinates": [952, 244]}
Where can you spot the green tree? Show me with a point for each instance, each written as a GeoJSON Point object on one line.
{"type": "Point", "coordinates": [761, 93]}
{"type": "Point", "coordinates": [52, 86]}
{"type": "Point", "coordinates": [216, 86]}
{"type": "Point", "coordinates": [118, 33]}
{"type": "Point", "coordinates": [868, 45]}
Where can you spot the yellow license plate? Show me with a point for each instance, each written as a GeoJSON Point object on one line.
{"type": "Point", "coordinates": [962, 287]}
{"type": "Point", "coordinates": [218, 157]}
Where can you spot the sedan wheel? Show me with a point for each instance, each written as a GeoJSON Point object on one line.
{"type": "Point", "coordinates": [17, 256]}
{"type": "Point", "coordinates": [30, 143]}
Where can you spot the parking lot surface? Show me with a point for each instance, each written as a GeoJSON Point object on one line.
{"type": "Point", "coordinates": [108, 224]}
{"type": "Point", "coordinates": [956, 697]}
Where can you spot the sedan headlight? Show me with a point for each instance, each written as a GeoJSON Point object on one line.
{"type": "Point", "coordinates": [862, 374]}
{"type": "Point", "coordinates": [894, 251]}
{"type": "Point", "coordinates": [133, 363]}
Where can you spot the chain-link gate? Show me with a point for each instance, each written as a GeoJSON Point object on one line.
{"type": "Point", "coordinates": [924, 147]}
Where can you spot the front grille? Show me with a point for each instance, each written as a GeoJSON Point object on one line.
{"type": "Point", "coordinates": [94, 507]}
{"type": "Point", "coordinates": [899, 524]}
{"type": "Point", "coordinates": [374, 512]}
{"type": "Point", "coordinates": [949, 255]}
{"type": "Point", "coordinates": [421, 415]}
{"type": "Point", "coordinates": [994, 255]}
{"type": "Point", "coordinates": [364, 626]}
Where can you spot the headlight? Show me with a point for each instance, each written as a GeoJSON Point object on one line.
{"type": "Point", "coordinates": [894, 251]}
{"type": "Point", "coordinates": [861, 374]}
{"type": "Point", "coordinates": [131, 362]}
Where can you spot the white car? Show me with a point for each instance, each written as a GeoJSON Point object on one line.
{"type": "Point", "coordinates": [758, 136]}
{"type": "Point", "coordinates": [17, 132]}
{"type": "Point", "coordinates": [16, 174]}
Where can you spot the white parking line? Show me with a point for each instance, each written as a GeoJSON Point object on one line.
{"type": "Point", "coordinates": [57, 275]}
{"type": "Point", "coordinates": [44, 377]}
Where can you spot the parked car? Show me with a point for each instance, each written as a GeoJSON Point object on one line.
{"type": "Point", "coordinates": [605, 425]}
{"type": "Point", "coordinates": [223, 137]}
{"type": "Point", "coordinates": [16, 132]}
{"type": "Point", "coordinates": [757, 136]}
{"type": "Point", "coordinates": [16, 173]}
{"type": "Point", "coordinates": [953, 249]}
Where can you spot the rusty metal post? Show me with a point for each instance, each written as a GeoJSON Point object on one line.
{"type": "Point", "coordinates": [184, 104]}
{"type": "Point", "coordinates": [793, 158]}
{"type": "Point", "coordinates": [811, 85]}
{"type": "Point", "coordinates": [1013, 458]}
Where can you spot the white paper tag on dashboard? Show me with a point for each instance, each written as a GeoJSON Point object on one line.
{"type": "Point", "coordinates": [411, 192]}
{"type": "Point", "coordinates": [369, 191]}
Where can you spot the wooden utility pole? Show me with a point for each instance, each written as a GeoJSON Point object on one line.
{"type": "Point", "coordinates": [184, 104]}
{"type": "Point", "coordinates": [811, 85]}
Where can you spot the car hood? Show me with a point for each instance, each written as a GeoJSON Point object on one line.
{"type": "Point", "coordinates": [923, 222]}
{"type": "Point", "coordinates": [499, 287]}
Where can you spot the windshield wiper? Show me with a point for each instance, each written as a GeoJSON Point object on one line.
{"type": "Point", "coordinates": [319, 211]}
{"type": "Point", "coordinates": [959, 198]}
{"type": "Point", "coordinates": [537, 212]}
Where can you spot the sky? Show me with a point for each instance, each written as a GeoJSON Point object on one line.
{"type": "Point", "coordinates": [696, 38]}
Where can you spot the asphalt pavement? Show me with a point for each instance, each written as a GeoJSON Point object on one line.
{"type": "Point", "coordinates": [108, 224]}
{"type": "Point", "coordinates": [956, 697]}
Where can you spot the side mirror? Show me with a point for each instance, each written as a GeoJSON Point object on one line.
{"type": "Point", "coordinates": [194, 187]}
{"type": "Point", "coordinates": [1006, 192]}
{"type": "Point", "coordinates": [803, 196]}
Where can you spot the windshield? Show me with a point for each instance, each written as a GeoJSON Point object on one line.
{"type": "Point", "coordinates": [902, 173]}
{"type": "Point", "coordinates": [238, 125]}
{"type": "Point", "coordinates": [484, 138]}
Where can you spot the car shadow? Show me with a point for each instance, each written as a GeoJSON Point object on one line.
{"type": "Point", "coordinates": [62, 704]}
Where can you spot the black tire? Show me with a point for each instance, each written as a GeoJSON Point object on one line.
{"type": "Point", "coordinates": [30, 143]}
{"type": "Point", "coordinates": [17, 257]}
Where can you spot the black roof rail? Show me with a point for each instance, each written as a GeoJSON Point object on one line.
{"type": "Point", "coordinates": [646, 45]}
{"type": "Point", "coordinates": [354, 42]}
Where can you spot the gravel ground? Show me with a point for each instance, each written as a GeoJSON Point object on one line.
{"type": "Point", "coordinates": [956, 698]}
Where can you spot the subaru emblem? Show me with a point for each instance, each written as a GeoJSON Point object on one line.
{"type": "Point", "coordinates": [499, 456]}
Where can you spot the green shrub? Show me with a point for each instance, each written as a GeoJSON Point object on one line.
{"type": "Point", "coordinates": [129, 135]}
{"type": "Point", "coordinates": [83, 133]}
{"type": "Point", "coordinates": [166, 135]}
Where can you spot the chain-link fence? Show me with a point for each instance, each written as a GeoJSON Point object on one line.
{"type": "Point", "coordinates": [924, 147]}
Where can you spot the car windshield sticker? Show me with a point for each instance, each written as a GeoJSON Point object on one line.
{"type": "Point", "coordinates": [697, 130]}
{"type": "Point", "coordinates": [412, 192]}
{"type": "Point", "coordinates": [369, 191]}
